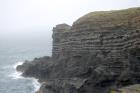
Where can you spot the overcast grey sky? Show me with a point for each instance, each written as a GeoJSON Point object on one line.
{"type": "Point", "coordinates": [32, 20]}
{"type": "Point", "coordinates": [32, 14]}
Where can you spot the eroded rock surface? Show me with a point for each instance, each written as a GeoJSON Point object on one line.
{"type": "Point", "coordinates": [128, 89]}
{"type": "Point", "coordinates": [98, 53]}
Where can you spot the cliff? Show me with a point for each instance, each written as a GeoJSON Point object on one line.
{"type": "Point", "coordinates": [98, 53]}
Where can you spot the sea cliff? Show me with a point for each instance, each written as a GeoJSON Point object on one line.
{"type": "Point", "coordinates": [99, 53]}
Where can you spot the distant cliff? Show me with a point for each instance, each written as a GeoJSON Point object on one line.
{"type": "Point", "coordinates": [100, 52]}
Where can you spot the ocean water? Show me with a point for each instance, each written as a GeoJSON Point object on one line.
{"type": "Point", "coordinates": [10, 79]}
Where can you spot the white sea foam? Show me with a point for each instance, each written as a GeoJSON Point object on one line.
{"type": "Point", "coordinates": [36, 84]}
{"type": "Point", "coordinates": [17, 64]}
{"type": "Point", "coordinates": [18, 75]}
{"type": "Point", "coordinates": [12, 66]}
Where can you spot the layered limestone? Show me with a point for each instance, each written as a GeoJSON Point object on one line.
{"type": "Point", "coordinates": [100, 52]}
{"type": "Point", "coordinates": [109, 34]}
{"type": "Point", "coordinates": [99, 32]}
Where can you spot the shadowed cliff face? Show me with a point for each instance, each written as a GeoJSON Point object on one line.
{"type": "Point", "coordinates": [100, 52]}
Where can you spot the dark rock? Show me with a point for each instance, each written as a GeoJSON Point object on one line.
{"type": "Point", "coordinates": [98, 53]}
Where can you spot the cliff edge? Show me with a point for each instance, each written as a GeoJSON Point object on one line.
{"type": "Point", "coordinates": [99, 53]}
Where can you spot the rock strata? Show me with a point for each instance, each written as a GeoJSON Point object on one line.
{"type": "Point", "coordinates": [98, 53]}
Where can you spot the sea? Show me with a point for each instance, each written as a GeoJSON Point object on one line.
{"type": "Point", "coordinates": [12, 55]}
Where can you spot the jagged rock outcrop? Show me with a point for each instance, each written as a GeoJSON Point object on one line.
{"type": "Point", "coordinates": [98, 53]}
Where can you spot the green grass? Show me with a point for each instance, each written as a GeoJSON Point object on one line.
{"type": "Point", "coordinates": [116, 17]}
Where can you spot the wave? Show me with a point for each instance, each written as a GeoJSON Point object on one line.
{"type": "Point", "coordinates": [36, 84]}
{"type": "Point", "coordinates": [13, 65]}
{"type": "Point", "coordinates": [17, 64]}
{"type": "Point", "coordinates": [18, 75]}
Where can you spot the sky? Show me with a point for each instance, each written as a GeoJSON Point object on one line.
{"type": "Point", "coordinates": [35, 14]}
{"type": "Point", "coordinates": [36, 18]}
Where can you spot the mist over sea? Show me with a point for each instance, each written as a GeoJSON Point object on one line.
{"type": "Point", "coordinates": [13, 52]}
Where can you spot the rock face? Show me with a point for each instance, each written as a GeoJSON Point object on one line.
{"type": "Point", "coordinates": [98, 53]}
{"type": "Point", "coordinates": [129, 89]}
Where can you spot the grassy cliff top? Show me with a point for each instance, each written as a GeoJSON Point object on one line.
{"type": "Point", "coordinates": [112, 18]}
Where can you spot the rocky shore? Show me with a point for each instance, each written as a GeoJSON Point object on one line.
{"type": "Point", "coordinates": [99, 53]}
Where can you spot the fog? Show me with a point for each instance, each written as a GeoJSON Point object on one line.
{"type": "Point", "coordinates": [26, 21]}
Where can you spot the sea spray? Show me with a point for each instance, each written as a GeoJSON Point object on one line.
{"type": "Point", "coordinates": [17, 64]}
{"type": "Point", "coordinates": [36, 84]}
{"type": "Point", "coordinates": [18, 75]}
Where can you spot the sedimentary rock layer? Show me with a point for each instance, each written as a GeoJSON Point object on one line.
{"type": "Point", "coordinates": [100, 52]}
{"type": "Point", "coordinates": [108, 34]}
